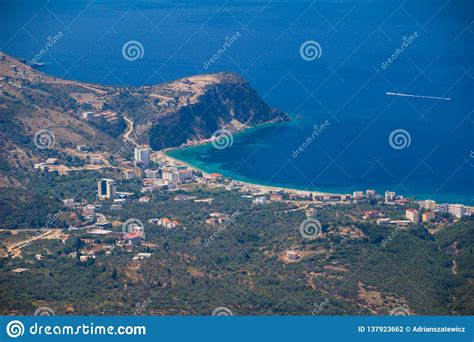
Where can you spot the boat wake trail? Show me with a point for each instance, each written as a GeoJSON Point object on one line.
{"type": "Point", "coordinates": [419, 96]}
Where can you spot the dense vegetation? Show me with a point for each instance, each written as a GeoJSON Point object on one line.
{"type": "Point", "coordinates": [197, 267]}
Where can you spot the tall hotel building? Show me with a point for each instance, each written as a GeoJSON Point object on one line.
{"type": "Point", "coordinates": [142, 155]}
{"type": "Point", "coordinates": [106, 189]}
{"type": "Point", "coordinates": [390, 196]}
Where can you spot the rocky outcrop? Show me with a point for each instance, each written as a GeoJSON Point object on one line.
{"type": "Point", "coordinates": [165, 115]}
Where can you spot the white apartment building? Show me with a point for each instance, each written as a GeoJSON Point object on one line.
{"type": "Point", "coordinates": [142, 155]}
{"type": "Point", "coordinates": [390, 196]}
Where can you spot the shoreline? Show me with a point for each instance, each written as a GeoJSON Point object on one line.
{"type": "Point", "coordinates": [263, 188]}
{"type": "Point", "coordinates": [274, 188]}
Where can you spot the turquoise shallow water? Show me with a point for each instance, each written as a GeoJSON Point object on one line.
{"type": "Point", "coordinates": [359, 62]}
{"type": "Point", "coordinates": [234, 161]}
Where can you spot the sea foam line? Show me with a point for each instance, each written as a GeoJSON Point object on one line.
{"type": "Point", "coordinates": [419, 96]}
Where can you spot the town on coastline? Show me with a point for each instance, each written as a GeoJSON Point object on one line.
{"type": "Point", "coordinates": [159, 172]}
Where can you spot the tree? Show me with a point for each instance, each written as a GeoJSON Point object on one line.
{"type": "Point", "coordinates": [114, 274]}
{"type": "Point", "coordinates": [78, 244]}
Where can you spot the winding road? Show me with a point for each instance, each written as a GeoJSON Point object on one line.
{"type": "Point", "coordinates": [126, 136]}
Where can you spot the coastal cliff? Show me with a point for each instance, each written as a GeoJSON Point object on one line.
{"type": "Point", "coordinates": [224, 100]}
{"type": "Point", "coordinates": [165, 115]}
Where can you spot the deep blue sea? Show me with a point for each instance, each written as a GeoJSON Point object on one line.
{"type": "Point", "coordinates": [346, 85]}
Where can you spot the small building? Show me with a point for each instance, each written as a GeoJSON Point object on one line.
{"type": "Point", "coordinates": [413, 215]}
{"type": "Point", "coordinates": [428, 205]}
{"type": "Point", "coordinates": [184, 198]}
{"type": "Point", "coordinates": [276, 197]}
{"type": "Point", "coordinates": [390, 196]}
{"type": "Point", "coordinates": [167, 223]}
{"type": "Point", "coordinates": [149, 173]}
{"type": "Point", "coordinates": [120, 200]}
{"type": "Point", "coordinates": [84, 148]}
{"type": "Point", "coordinates": [346, 197]}
{"type": "Point", "coordinates": [428, 216]}
{"type": "Point", "coordinates": [141, 256]}
{"type": "Point", "coordinates": [42, 167]}
{"type": "Point", "coordinates": [383, 221]}
{"type": "Point", "coordinates": [134, 238]}
{"type": "Point", "coordinates": [84, 258]}
{"type": "Point", "coordinates": [68, 202]}
{"type": "Point", "coordinates": [233, 186]}
{"type": "Point", "coordinates": [216, 218]}
{"type": "Point", "coordinates": [260, 200]}
{"type": "Point", "coordinates": [88, 210]}
{"type": "Point", "coordinates": [170, 175]}
{"type": "Point", "coordinates": [102, 232]}
{"type": "Point", "coordinates": [216, 177]}
{"type": "Point", "coordinates": [204, 200]}
{"type": "Point", "coordinates": [87, 115]}
{"type": "Point", "coordinates": [293, 255]}
{"type": "Point", "coordinates": [370, 193]}
{"type": "Point", "coordinates": [400, 223]}
{"type": "Point", "coordinates": [185, 176]}
{"type": "Point", "coordinates": [129, 173]}
{"type": "Point", "coordinates": [369, 214]}
{"type": "Point", "coordinates": [96, 161]}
